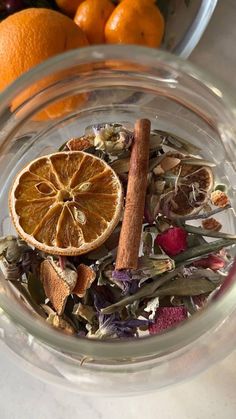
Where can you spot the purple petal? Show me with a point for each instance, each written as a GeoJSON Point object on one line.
{"type": "Point", "coordinates": [123, 275]}
{"type": "Point", "coordinates": [132, 323]}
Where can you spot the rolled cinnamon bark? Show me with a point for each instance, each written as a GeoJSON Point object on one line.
{"type": "Point", "coordinates": [129, 242]}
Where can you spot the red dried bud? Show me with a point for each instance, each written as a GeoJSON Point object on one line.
{"type": "Point", "coordinates": [173, 240]}
{"type": "Point", "coordinates": [212, 262]}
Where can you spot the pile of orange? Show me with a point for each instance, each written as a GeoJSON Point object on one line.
{"type": "Point", "coordinates": [33, 35]}
{"type": "Point", "coordinates": [130, 22]}
{"type": "Point", "coordinates": [28, 38]}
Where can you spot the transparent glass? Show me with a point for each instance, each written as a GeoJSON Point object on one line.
{"type": "Point", "coordinates": [102, 84]}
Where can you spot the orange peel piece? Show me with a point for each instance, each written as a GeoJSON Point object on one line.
{"type": "Point", "coordinates": [86, 276]}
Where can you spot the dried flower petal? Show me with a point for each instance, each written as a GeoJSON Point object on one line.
{"type": "Point", "coordinates": [86, 276]}
{"type": "Point", "coordinates": [60, 323]}
{"type": "Point", "coordinates": [122, 275]}
{"type": "Point", "coordinates": [212, 262]}
{"type": "Point", "coordinates": [111, 138]}
{"type": "Point", "coordinates": [219, 199]}
{"type": "Point", "coordinates": [173, 241]}
{"type": "Point", "coordinates": [211, 224]}
{"type": "Point", "coordinates": [167, 317]}
{"type": "Point", "coordinates": [57, 283]}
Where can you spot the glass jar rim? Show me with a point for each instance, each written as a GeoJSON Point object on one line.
{"type": "Point", "coordinates": [202, 322]}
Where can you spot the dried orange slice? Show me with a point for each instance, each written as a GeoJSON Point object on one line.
{"type": "Point", "coordinates": [66, 203]}
{"type": "Point", "coordinates": [188, 187]}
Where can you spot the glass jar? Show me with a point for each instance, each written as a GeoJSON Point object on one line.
{"type": "Point", "coordinates": [112, 84]}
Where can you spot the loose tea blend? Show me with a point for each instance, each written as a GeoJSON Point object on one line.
{"type": "Point", "coordinates": [119, 233]}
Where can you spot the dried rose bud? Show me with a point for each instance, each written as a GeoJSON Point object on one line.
{"type": "Point", "coordinates": [86, 276]}
{"type": "Point", "coordinates": [167, 317]}
{"type": "Point", "coordinates": [212, 262]}
{"type": "Point", "coordinates": [219, 199]}
{"type": "Point", "coordinates": [211, 224]}
{"type": "Point", "coordinates": [172, 241]}
{"type": "Point", "coordinates": [78, 144]}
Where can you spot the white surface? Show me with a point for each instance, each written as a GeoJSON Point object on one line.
{"type": "Point", "coordinates": [210, 395]}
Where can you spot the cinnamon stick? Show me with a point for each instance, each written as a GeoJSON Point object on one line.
{"type": "Point", "coordinates": [129, 242]}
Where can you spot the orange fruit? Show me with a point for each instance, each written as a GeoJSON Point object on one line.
{"type": "Point", "coordinates": [30, 37]}
{"type": "Point", "coordinates": [91, 17]}
{"type": "Point", "coordinates": [66, 203]}
{"type": "Point", "coordinates": [68, 7]}
{"type": "Point", "coordinates": [135, 22]}
{"type": "Point", "coordinates": [152, 1]}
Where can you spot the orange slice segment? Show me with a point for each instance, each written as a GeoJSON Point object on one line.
{"type": "Point", "coordinates": [189, 188]}
{"type": "Point", "coordinates": [66, 203]}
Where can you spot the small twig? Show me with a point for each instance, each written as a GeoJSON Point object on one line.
{"type": "Point", "coordinates": [205, 214]}
{"type": "Point", "coordinates": [209, 233]}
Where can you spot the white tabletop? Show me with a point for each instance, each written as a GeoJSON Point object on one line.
{"type": "Point", "coordinates": [211, 394]}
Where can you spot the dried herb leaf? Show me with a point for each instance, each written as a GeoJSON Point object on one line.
{"type": "Point", "coordinates": [61, 324]}
{"type": "Point", "coordinates": [203, 249]}
{"type": "Point", "coordinates": [177, 142]}
{"type": "Point", "coordinates": [22, 290]}
{"type": "Point", "coordinates": [35, 289]}
{"type": "Point", "coordinates": [12, 248]}
{"type": "Point", "coordinates": [85, 312]}
{"type": "Point", "coordinates": [147, 240]}
{"type": "Point", "coordinates": [193, 161]}
{"type": "Point", "coordinates": [186, 287]}
{"type": "Point", "coordinates": [154, 162]}
{"type": "Point", "coordinates": [204, 215]}
{"type": "Point", "coordinates": [11, 271]}
{"type": "Point", "coordinates": [121, 166]}
{"type": "Point", "coordinates": [209, 233]}
{"type": "Point", "coordinates": [145, 291]}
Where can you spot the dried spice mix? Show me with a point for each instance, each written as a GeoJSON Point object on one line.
{"type": "Point", "coordinates": [118, 233]}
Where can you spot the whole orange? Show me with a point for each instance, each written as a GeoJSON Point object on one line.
{"type": "Point", "coordinates": [135, 22]}
{"type": "Point", "coordinates": [31, 36]}
{"type": "Point", "coordinates": [91, 17]}
{"type": "Point", "coordinates": [68, 7]}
